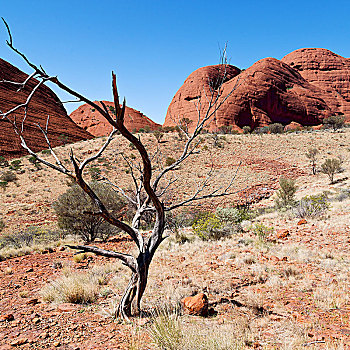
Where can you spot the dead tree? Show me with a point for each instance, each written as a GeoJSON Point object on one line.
{"type": "Point", "coordinates": [149, 188]}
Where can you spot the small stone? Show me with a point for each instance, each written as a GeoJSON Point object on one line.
{"type": "Point", "coordinates": [44, 335]}
{"type": "Point", "coordinates": [36, 320]}
{"type": "Point", "coordinates": [33, 301]}
{"type": "Point", "coordinates": [19, 341]}
{"type": "Point", "coordinates": [196, 305]}
{"type": "Point", "coordinates": [30, 270]}
{"type": "Point", "coordinates": [282, 233]}
{"type": "Point", "coordinates": [67, 307]}
{"type": "Point", "coordinates": [56, 344]}
{"type": "Point", "coordinates": [8, 317]}
{"type": "Point", "coordinates": [302, 222]}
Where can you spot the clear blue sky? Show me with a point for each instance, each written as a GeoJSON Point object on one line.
{"type": "Point", "coordinates": [154, 45]}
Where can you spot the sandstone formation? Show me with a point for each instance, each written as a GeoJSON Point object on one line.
{"type": "Point", "coordinates": [196, 305]}
{"type": "Point", "coordinates": [61, 129]}
{"type": "Point", "coordinates": [328, 71]}
{"type": "Point", "coordinates": [92, 121]}
{"type": "Point", "coordinates": [303, 88]}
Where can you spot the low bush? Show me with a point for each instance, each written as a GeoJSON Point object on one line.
{"type": "Point", "coordinates": [233, 215]}
{"type": "Point", "coordinates": [16, 164]}
{"type": "Point", "coordinates": [335, 122]}
{"type": "Point", "coordinates": [262, 130]}
{"type": "Point", "coordinates": [312, 206]}
{"type": "Point", "coordinates": [2, 225]}
{"type": "Point", "coordinates": [276, 128]}
{"type": "Point", "coordinates": [286, 192]}
{"type": "Point", "coordinates": [73, 210]}
{"type": "Point", "coordinates": [330, 167]}
{"type": "Point", "coordinates": [211, 228]}
{"type": "Point", "coordinates": [29, 237]}
{"type": "Point", "coordinates": [3, 162]}
{"type": "Point", "coordinates": [247, 129]}
{"type": "Point", "coordinates": [76, 288]}
{"type": "Point", "coordinates": [169, 161]}
{"type": "Point", "coordinates": [8, 176]}
{"type": "Point", "coordinates": [262, 231]}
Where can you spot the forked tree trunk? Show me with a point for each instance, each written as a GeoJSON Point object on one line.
{"type": "Point", "coordinates": [130, 303]}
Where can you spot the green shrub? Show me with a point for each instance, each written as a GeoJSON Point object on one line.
{"type": "Point", "coordinates": [336, 122]}
{"type": "Point", "coordinates": [233, 215]}
{"type": "Point", "coordinates": [262, 130]}
{"type": "Point", "coordinates": [262, 231]}
{"type": "Point", "coordinates": [330, 167]}
{"type": "Point", "coordinates": [211, 228]}
{"type": "Point", "coordinates": [286, 192]}
{"type": "Point", "coordinates": [3, 162]}
{"type": "Point", "coordinates": [35, 162]}
{"type": "Point", "coordinates": [8, 176]}
{"type": "Point", "coordinates": [3, 185]}
{"type": "Point", "coordinates": [312, 206]}
{"type": "Point", "coordinates": [73, 210]}
{"type": "Point", "coordinates": [16, 164]}
{"type": "Point", "coordinates": [95, 173]}
{"type": "Point", "coordinates": [158, 134]}
{"type": "Point", "coordinates": [28, 237]}
{"type": "Point", "coordinates": [276, 128]}
{"type": "Point", "coordinates": [170, 161]}
{"type": "Point", "coordinates": [2, 225]}
{"type": "Point", "coordinates": [247, 129]}
{"type": "Point", "coordinates": [46, 151]}
{"type": "Point", "coordinates": [312, 155]}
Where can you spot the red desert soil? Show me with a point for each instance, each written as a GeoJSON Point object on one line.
{"type": "Point", "coordinates": [61, 129]}
{"type": "Point", "coordinates": [91, 120]}
{"type": "Point", "coordinates": [291, 289]}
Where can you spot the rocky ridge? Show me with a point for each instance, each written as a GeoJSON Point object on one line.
{"type": "Point", "coordinates": [304, 87]}
{"type": "Point", "coordinates": [92, 121]}
{"type": "Point", "coordinates": [61, 129]}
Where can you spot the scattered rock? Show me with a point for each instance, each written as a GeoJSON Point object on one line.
{"type": "Point", "coordinates": [282, 233]}
{"type": "Point", "coordinates": [302, 222]}
{"type": "Point", "coordinates": [8, 317]}
{"type": "Point", "coordinates": [196, 305]}
{"type": "Point", "coordinates": [33, 301]}
{"type": "Point", "coordinates": [66, 307]}
{"type": "Point", "coordinates": [19, 341]}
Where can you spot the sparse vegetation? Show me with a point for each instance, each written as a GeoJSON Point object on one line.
{"type": "Point", "coordinates": [276, 128]}
{"type": "Point", "coordinates": [8, 176]}
{"type": "Point", "coordinates": [286, 192]}
{"type": "Point", "coordinates": [74, 210]}
{"type": "Point", "coordinates": [313, 206]}
{"type": "Point", "coordinates": [330, 167]}
{"type": "Point", "coordinates": [211, 228]}
{"type": "Point", "coordinates": [312, 156]}
{"type": "Point", "coordinates": [335, 122]}
{"type": "Point", "coordinates": [247, 129]}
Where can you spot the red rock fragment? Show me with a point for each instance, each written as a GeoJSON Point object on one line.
{"type": "Point", "coordinates": [8, 317]}
{"type": "Point", "coordinates": [302, 222]}
{"type": "Point", "coordinates": [196, 305]}
{"type": "Point", "coordinates": [282, 233]}
{"type": "Point", "coordinates": [19, 341]}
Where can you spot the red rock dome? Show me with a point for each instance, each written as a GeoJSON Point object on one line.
{"type": "Point", "coordinates": [326, 70]}
{"type": "Point", "coordinates": [61, 128]}
{"type": "Point", "coordinates": [270, 91]}
{"type": "Point", "coordinates": [92, 121]}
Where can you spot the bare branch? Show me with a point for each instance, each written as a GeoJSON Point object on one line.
{"type": "Point", "coordinates": [127, 259]}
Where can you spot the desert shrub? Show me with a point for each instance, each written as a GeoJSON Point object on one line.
{"type": "Point", "coordinates": [95, 173]}
{"type": "Point", "coordinates": [35, 162]}
{"type": "Point", "coordinates": [233, 215]}
{"type": "Point", "coordinates": [16, 164]}
{"type": "Point", "coordinates": [262, 130]}
{"type": "Point", "coordinates": [158, 134]}
{"type": "Point", "coordinates": [335, 122]}
{"type": "Point", "coordinates": [29, 237]}
{"type": "Point", "coordinates": [330, 167]}
{"type": "Point", "coordinates": [312, 156]}
{"type": "Point", "coordinates": [262, 231]}
{"type": "Point", "coordinates": [74, 208]}
{"type": "Point", "coordinates": [2, 225]}
{"type": "Point", "coordinates": [312, 206]}
{"type": "Point", "coordinates": [276, 128]}
{"type": "Point", "coordinates": [3, 162]}
{"type": "Point", "coordinates": [165, 330]}
{"type": "Point", "coordinates": [211, 228]}
{"type": "Point", "coordinates": [8, 176]}
{"type": "Point", "coordinates": [76, 288]}
{"type": "Point", "coordinates": [169, 161]}
{"type": "Point", "coordinates": [247, 129]}
{"type": "Point", "coordinates": [3, 185]}
{"type": "Point", "coordinates": [286, 192]}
